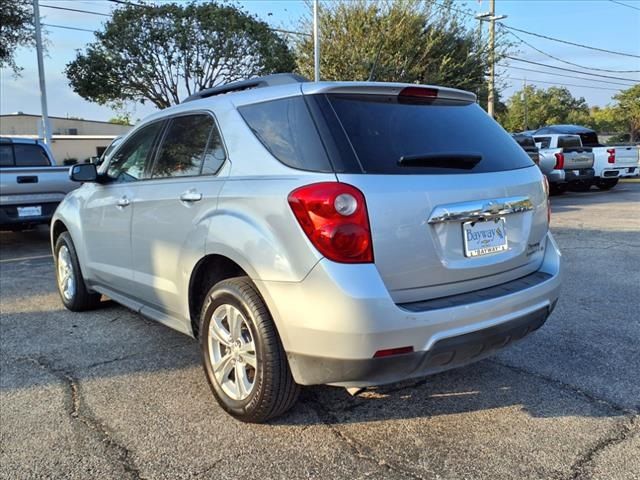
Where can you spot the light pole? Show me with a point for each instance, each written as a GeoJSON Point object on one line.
{"type": "Point", "coordinates": [316, 43]}
{"type": "Point", "coordinates": [46, 129]}
{"type": "Point", "coordinates": [491, 17]}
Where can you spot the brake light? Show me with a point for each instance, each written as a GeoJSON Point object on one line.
{"type": "Point", "coordinates": [559, 161]}
{"type": "Point", "coordinates": [334, 217]}
{"type": "Point", "coordinates": [418, 93]}
{"type": "Point", "coordinates": [612, 155]}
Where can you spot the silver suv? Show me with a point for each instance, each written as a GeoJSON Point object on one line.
{"type": "Point", "coordinates": [350, 234]}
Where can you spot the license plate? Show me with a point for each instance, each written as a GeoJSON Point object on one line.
{"type": "Point", "coordinates": [576, 172]}
{"type": "Point", "coordinates": [30, 211]}
{"type": "Point", "coordinates": [484, 238]}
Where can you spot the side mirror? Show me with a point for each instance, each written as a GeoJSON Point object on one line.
{"type": "Point", "coordinates": [83, 172]}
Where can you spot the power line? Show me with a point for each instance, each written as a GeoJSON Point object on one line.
{"type": "Point", "coordinates": [567, 62]}
{"type": "Point", "coordinates": [567, 76]}
{"type": "Point", "coordinates": [570, 70]}
{"type": "Point", "coordinates": [533, 80]}
{"type": "Point", "coordinates": [624, 5]}
{"type": "Point", "coordinates": [571, 43]}
{"type": "Point", "coordinates": [68, 28]}
{"type": "Point", "coordinates": [464, 12]}
{"type": "Point", "coordinates": [74, 10]}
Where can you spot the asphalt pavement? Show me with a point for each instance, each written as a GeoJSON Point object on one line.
{"type": "Point", "coordinates": [111, 395]}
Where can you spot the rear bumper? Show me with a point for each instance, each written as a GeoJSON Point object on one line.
{"type": "Point", "coordinates": [580, 175]}
{"type": "Point", "coordinates": [334, 321]}
{"type": "Point", "coordinates": [9, 217]}
{"type": "Point", "coordinates": [555, 176]}
{"type": "Point", "coordinates": [620, 172]}
{"type": "Point", "coordinates": [445, 354]}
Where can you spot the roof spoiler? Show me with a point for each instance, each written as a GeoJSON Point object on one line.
{"type": "Point", "coordinates": [257, 82]}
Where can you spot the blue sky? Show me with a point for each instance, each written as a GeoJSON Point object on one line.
{"type": "Point", "coordinates": [599, 23]}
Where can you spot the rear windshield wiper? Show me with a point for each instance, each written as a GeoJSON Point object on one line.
{"type": "Point", "coordinates": [458, 161]}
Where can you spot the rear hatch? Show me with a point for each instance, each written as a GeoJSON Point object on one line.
{"type": "Point", "coordinates": [576, 156]}
{"type": "Point", "coordinates": [454, 203]}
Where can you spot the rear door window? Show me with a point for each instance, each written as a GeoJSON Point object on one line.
{"type": "Point", "coordinates": [184, 147]}
{"type": "Point", "coordinates": [23, 155]}
{"type": "Point", "coordinates": [6, 156]}
{"type": "Point", "coordinates": [395, 137]}
{"type": "Point", "coordinates": [286, 129]}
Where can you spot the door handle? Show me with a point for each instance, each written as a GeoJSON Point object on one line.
{"type": "Point", "coordinates": [191, 196]}
{"type": "Point", "coordinates": [123, 202]}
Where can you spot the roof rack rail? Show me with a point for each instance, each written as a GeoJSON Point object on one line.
{"type": "Point", "coordinates": [257, 82]}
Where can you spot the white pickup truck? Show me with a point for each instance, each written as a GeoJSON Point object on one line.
{"type": "Point", "coordinates": [31, 186]}
{"type": "Point", "coordinates": [611, 162]}
{"type": "Point", "coordinates": [565, 162]}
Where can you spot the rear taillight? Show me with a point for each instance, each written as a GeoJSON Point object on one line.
{"type": "Point", "coordinates": [612, 155]}
{"type": "Point", "coordinates": [334, 217]}
{"type": "Point", "coordinates": [559, 161]}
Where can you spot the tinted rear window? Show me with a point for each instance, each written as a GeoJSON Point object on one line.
{"type": "Point", "coordinates": [569, 142]}
{"type": "Point", "coordinates": [382, 131]}
{"type": "Point", "coordinates": [6, 156]}
{"type": "Point", "coordinates": [525, 141]}
{"type": "Point", "coordinates": [286, 129]}
{"type": "Point", "coordinates": [590, 139]}
{"type": "Point", "coordinates": [23, 155]}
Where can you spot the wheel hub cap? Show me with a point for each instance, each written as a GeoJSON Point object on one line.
{"type": "Point", "coordinates": [232, 352]}
{"type": "Point", "coordinates": [66, 276]}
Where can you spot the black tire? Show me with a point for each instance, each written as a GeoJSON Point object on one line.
{"type": "Point", "coordinates": [580, 187]}
{"type": "Point", "coordinates": [274, 391]}
{"type": "Point", "coordinates": [557, 188]}
{"type": "Point", "coordinates": [82, 299]}
{"type": "Point", "coordinates": [607, 184]}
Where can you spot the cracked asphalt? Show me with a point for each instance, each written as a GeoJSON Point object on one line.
{"type": "Point", "coordinates": [112, 395]}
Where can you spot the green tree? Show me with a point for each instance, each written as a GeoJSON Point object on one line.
{"type": "Point", "coordinates": [406, 41]}
{"type": "Point", "coordinates": [16, 30]}
{"type": "Point", "coordinates": [162, 53]}
{"type": "Point", "coordinates": [605, 120]}
{"type": "Point", "coordinates": [543, 107]}
{"type": "Point", "coordinates": [121, 119]}
{"type": "Point", "coordinates": [628, 110]}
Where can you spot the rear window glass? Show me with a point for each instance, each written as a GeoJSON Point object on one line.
{"type": "Point", "coordinates": [590, 139]}
{"type": "Point", "coordinates": [525, 141]}
{"type": "Point", "coordinates": [441, 137]}
{"type": "Point", "coordinates": [6, 156]}
{"type": "Point", "coordinates": [545, 141]}
{"type": "Point", "coordinates": [286, 129]}
{"type": "Point", "coordinates": [569, 142]}
{"type": "Point", "coordinates": [23, 155]}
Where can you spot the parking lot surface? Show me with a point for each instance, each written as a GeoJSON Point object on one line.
{"type": "Point", "coordinates": [111, 395]}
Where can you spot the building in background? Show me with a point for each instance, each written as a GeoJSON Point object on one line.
{"type": "Point", "coordinates": [73, 139]}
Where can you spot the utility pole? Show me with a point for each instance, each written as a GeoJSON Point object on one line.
{"type": "Point", "coordinates": [524, 94]}
{"type": "Point", "coordinates": [492, 58]}
{"type": "Point", "coordinates": [46, 128]}
{"type": "Point", "coordinates": [316, 43]}
{"type": "Point", "coordinates": [491, 18]}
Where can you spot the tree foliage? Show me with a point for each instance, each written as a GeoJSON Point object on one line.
{"type": "Point", "coordinates": [16, 29]}
{"type": "Point", "coordinates": [544, 107]}
{"type": "Point", "coordinates": [628, 110]}
{"type": "Point", "coordinates": [162, 53]}
{"type": "Point", "coordinates": [406, 40]}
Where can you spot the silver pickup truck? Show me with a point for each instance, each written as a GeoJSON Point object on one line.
{"type": "Point", "coordinates": [31, 186]}
{"type": "Point", "coordinates": [565, 162]}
